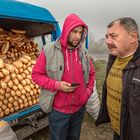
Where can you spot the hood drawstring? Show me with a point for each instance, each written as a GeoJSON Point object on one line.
{"type": "Point", "coordinates": [67, 58]}
{"type": "Point", "coordinates": [67, 61]}
{"type": "Point", "coordinates": [76, 55]}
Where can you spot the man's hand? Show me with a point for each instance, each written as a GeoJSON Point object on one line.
{"type": "Point", "coordinates": [66, 87]}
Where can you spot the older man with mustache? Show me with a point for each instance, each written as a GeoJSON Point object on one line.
{"type": "Point", "coordinates": [121, 89]}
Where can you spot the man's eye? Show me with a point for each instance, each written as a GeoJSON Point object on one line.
{"type": "Point", "coordinates": [106, 36]}
{"type": "Point", "coordinates": [114, 36]}
{"type": "Point", "coordinates": [74, 31]}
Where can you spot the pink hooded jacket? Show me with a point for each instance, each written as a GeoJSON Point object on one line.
{"type": "Point", "coordinates": [67, 102]}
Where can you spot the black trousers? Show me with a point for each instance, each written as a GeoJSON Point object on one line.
{"type": "Point", "coordinates": [116, 136]}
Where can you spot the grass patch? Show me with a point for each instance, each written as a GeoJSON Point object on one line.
{"type": "Point", "coordinates": [100, 72]}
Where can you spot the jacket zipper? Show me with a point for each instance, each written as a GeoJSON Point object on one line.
{"type": "Point", "coordinates": [72, 78]}
{"type": "Point", "coordinates": [126, 117]}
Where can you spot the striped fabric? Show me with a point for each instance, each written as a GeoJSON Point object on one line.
{"type": "Point", "coordinates": [93, 104]}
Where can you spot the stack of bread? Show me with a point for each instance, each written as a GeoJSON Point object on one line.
{"type": "Point", "coordinates": [15, 43]}
{"type": "Point", "coordinates": [18, 55]}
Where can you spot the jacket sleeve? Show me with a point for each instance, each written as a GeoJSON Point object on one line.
{"type": "Point", "coordinates": [39, 75]}
{"type": "Point", "coordinates": [89, 88]}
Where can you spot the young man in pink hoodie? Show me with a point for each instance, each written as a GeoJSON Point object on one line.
{"type": "Point", "coordinates": [66, 76]}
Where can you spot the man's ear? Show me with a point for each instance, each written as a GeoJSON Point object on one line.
{"type": "Point", "coordinates": [134, 36]}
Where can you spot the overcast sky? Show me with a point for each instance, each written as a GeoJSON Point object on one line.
{"type": "Point", "coordinates": [96, 13]}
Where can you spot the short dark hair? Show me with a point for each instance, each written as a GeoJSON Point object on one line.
{"type": "Point", "coordinates": [128, 23]}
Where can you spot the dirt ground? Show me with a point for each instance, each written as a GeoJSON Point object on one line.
{"type": "Point", "coordinates": [89, 132]}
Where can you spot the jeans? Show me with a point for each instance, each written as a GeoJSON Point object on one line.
{"type": "Point", "coordinates": [65, 126]}
{"type": "Point", "coordinates": [116, 136]}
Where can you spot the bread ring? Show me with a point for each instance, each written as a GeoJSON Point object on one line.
{"type": "Point", "coordinates": [18, 31]}
{"type": "Point", "coordinates": [26, 40]}
{"type": "Point", "coordinates": [5, 47]}
{"type": "Point", "coordinates": [15, 37]}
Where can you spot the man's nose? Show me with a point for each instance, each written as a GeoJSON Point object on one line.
{"type": "Point", "coordinates": [108, 40]}
{"type": "Point", "coordinates": [78, 35]}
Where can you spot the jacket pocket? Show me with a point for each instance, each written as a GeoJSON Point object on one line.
{"type": "Point", "coordinates": [136, 85]}
{"type": "Point", "coordinates": [46, 99]}
{"type": "Point", "coordinates": [52, 71]}
{"type": "Point", "coordinates": [134, 95]}
{"type": "Point", "coordinates": [82, 100]}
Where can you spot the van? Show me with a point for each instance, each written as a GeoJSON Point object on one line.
{"type": "Point", "coordinates": [33, 25]}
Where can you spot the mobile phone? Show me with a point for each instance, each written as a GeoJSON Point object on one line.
{"type": "Point", "coordinates": [75, 84]}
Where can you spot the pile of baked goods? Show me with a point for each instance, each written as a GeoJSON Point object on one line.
{"type": "Point", "coordinates": [18, 55]}
{"type": "Point", "coordinates": [15, 43]}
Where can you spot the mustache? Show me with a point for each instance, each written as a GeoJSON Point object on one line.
{"type": "Point", "coordinates": [76, 40]}
{"type": "Point", "coordinates": [111, 46]}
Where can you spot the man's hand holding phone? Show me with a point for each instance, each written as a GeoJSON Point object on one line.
{"type": "Point", "coordinates": [67, 87]}
{"type": "Point", "coordinates": [75, 84]}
